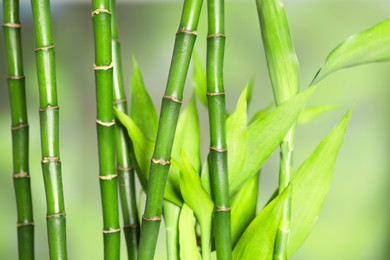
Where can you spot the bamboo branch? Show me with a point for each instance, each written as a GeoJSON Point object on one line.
{"type": "Point", "coordinates": [101, 16]}
{"type": "Point", "coordinates": [170, 108]}
{"type": "Point", "coordinates": [49, 122]}
{"type": "Point", "coordinates": [217, 116]}
{"type": "Point", "coordinates": [20, 132]}
{"type": "Point", "coordinates": [125, 168]}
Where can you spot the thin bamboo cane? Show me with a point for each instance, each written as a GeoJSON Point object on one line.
{"type": "Point", "coordinates": [20, 132]}
{"type": "Point", "coordinates": [284, 72]}
{"type": "Point", "coordinates": [49, 122]}
{"type": "Point", "coordinates": [170, 108]}
{"type": "Point", "coordinates": [217, 118]}
{"type": "Point", "coordinates": [103, 67]}
{"type": "Point", "coordinates": [125, 168]}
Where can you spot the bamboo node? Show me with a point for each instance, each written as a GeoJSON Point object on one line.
{"type": "Point", "coordinates": [119, 101]}
{"type": "Point", "coordinates": [186, 32]}
{"type": "Point", "coordinates": [131, 226]}
{"type": "Point", "coordinates": [217, 149]}
{"type": "Point", "coordinates": [124, 169]}
{"type": "Point", "coordinates": [108, 177]}
{"type": "Point", "coordinates": [115, 40]}
{"type": "Point", "coordinates": [12, 25]}
{"type": "Point", "coordinates": [160, 161]}
{"type": "Point", "coordinates": [215, 35]}
{"type": "Point", "coordinates": [155, 218]}
{"type": "Point", "coordinates": [15, 77]}
{"type": "Point", "coordinates": [20, 126]}
{"type": "Point", "coordinates": [47, 160]}
{"type": "Point", "coordinates": [18, 175]}
{"type": "Point", "coordinates": [221, 209]}
{"type": "Point", "coordinates": [56, 215]}
{"type": "Point", "coordinates": [215, 93]}
{"type": "Point", "coordinates": [48, 108]}
{"type": "Point", "coordinates": [23, 224]}
{"type": "Point", "coordinates": [45, 48]}
{"type": "Point", "coordinates": [107, 124]}
{"type": "Point", "coordinates": [100, 10]}
{"type": "Point", "coordinates": [174, 99]}
{"type": "Point", "coordinates": [95, 67]}
{"type": "Point", "coordinates": [111, 230]}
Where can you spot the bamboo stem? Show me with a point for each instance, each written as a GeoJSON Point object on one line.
{"type": "Point", "coordinates": [20, 132]}
{"type": "Point", "coordinates": [125, 168]}
{"type": "Point", "coordinates": [284, 72]}
{"type": "Point", "coordinates": [170, 108]}
{"type": "Point", "coordinates": [49, 122]}
{"type": "Point", "coordinates": [101, 16]}
{"type": "Point", "coordinates": [217, 118]}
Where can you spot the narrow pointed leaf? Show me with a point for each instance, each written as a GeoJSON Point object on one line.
{"type": "Point", "coordinates": [261, 113]}
{"type": "Point", "coordinates": [371, 45]}
{"type": "Point", "coordinates": [188, 246]}
{"type": "Point", "coordinates": [311, 184]}
{"type": "Point", "coordinates": [143, 151]}
{"type": "Point", "coordinates": [142, 110]}
{"type": "Point", "coordinates": [187, 138]}
{"type": "Point", "coordinates": [266, 134]}
{"type": "Point", "coordinates": [258, 239]}
{"type": "Point", "coordinates": [313, 112]}
{"type": "Point", "coordinates": [199, 81]}
{"type": "Point", "coordinates": [243, 207]}
{"type": "Point", "coordinates": [236, 135]}
{"type": "Point", "coordinates": [198, 200]}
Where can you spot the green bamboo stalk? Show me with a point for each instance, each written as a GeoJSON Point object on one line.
{"type": "Point", "coordinates": [20, 132]}
{"type": "Point", "coordinates": [49, 124]}
{"type": "Point", "coordinates": [125, 168]}
{"type": "Point", "coordinates": [101, 16]}
{"type": "Point", "coordinates": [170, 108]}
{"type": "Point", "coordinates": [284, 72]}
{"type": "Point", "coordinates": [217, 117]}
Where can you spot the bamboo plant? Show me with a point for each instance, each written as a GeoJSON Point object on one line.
{"type": "Point", "coordinates": [284, 73]}
{"type": "Point", "coordinates": [49, 124]}
{"type": "Point", "coordinates": [171, 103]}
{"type": "Point", "coordinates": [103, 67]}
{"type": "Point", "coordinates": [20, 132]}
{"type": "Point", "coordinates": [125, 169]}
{"type": "Point", "coordinates": [218, 148]}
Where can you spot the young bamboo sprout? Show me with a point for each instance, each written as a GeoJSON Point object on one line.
{"type": "Point", "coordinates": [284, 72]}
{"type": "Point", "coordinates": [217, 118]}
{"type": "Point", "coordinates": [125, 169]}
{"type": "Point", "coordinates": [20, 133]}
{"type": "Point", "coordinates": [170, 108]}
{"type": "Point", "coordinates": [49, 122]}
{"type": "Point", "coordinates": [103, 67]}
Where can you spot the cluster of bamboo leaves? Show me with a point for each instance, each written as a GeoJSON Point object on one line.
{"type": "Point", "coordinates": [209, 208]}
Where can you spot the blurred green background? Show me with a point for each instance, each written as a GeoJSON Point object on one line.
{"type": "Point", "coordinates": [354, 222]}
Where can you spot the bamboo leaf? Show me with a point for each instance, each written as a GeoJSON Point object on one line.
{"type": "Point", "coordinates": [371, 45]}
{"type": "Point", "coordinates": [236, 135]}
{"type": "Point", "coordinates": [311, 184]}
{"type": "Point", "coordinates": [261, 113]}
{"type": "Point", "coordinates": [313, 112]}
{"type": "Point", "coordinates": [199, 81]}
{"type": "Point", "coordinates": [243, 207]}
{"type": "Point", "coordinates": [188, 246]}
{"type": "Point", "coordinates": [143, 151]}
{"type": "Point", "coordinates": [265, 135]}
{"type": "Point", "coordinates": [142, 110]}
{"type": "Point", "coordinates": [258, 239]}
{"type": "Point", "coordinates": [187, 138]}
{"type": "Point", "coordinates": [198, 200]}
{"type": "Point", "coordinates": [249, 88]}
